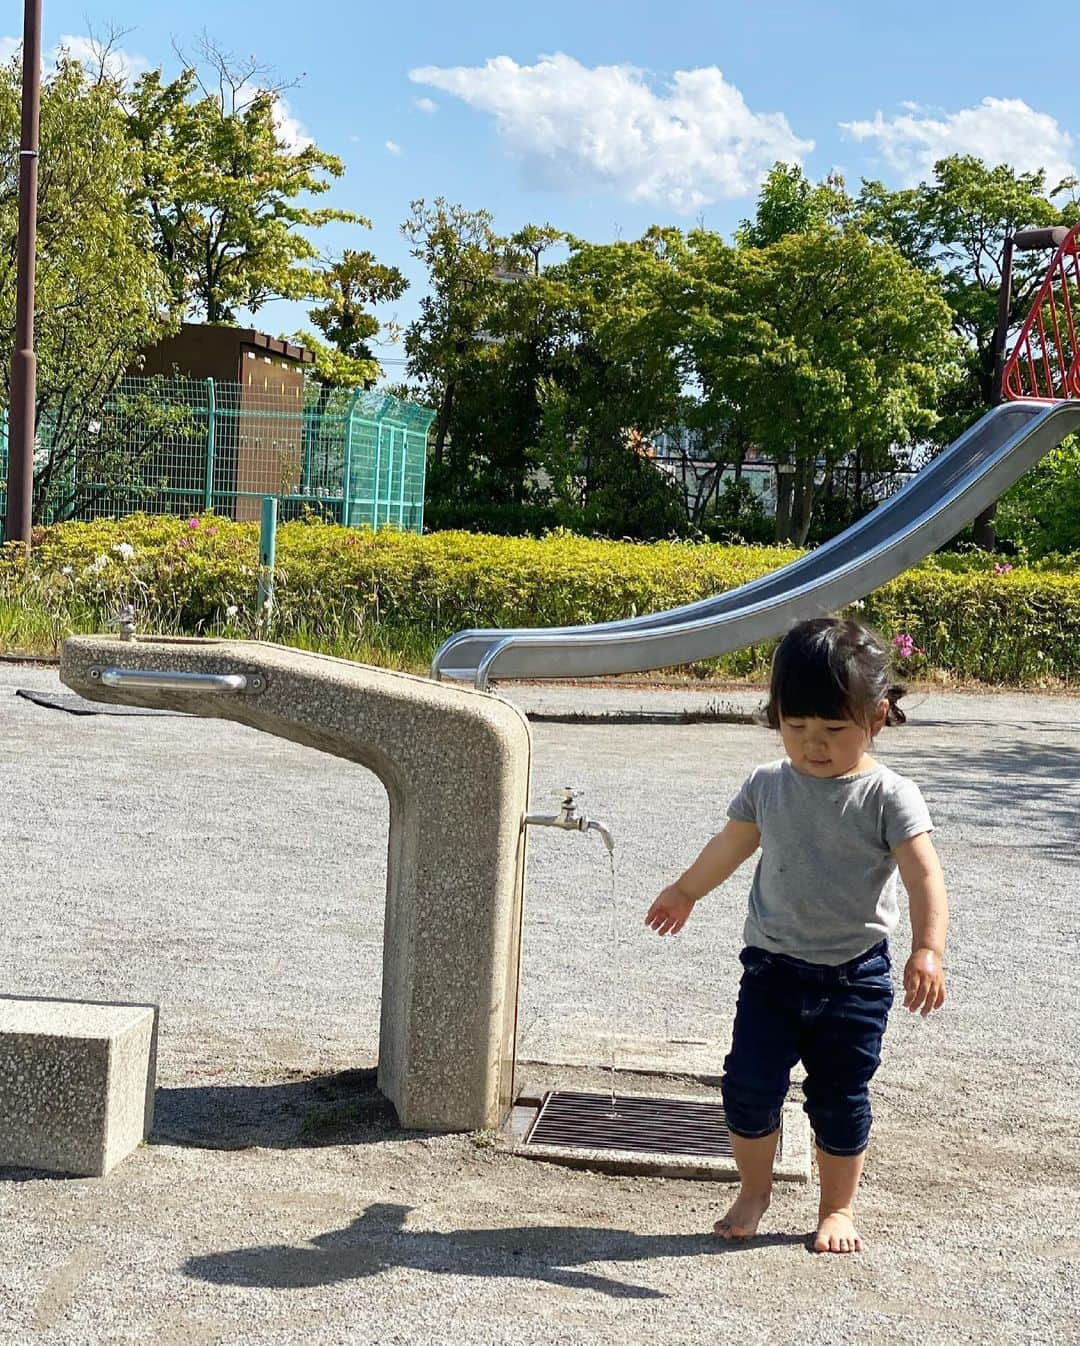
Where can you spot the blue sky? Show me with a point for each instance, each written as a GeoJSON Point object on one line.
{"type": "Point", "coordinates": [603, 118]}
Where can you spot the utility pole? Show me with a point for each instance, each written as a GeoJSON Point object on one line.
{"type": "Point", "coordinates": [20, 482]}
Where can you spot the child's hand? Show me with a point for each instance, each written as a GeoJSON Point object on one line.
{"type": "Point", "coordinates": [670, 912]}
{"type": "Point", "coordinates": [924, 982]}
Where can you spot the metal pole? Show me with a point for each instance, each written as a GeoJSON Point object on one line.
{"type": "Point", "coordinates": [267, 557]}
{"type": "Point", "coordinates": [20, 484]}
{"type": "Point", "coordinates": [378, 475]}
{"type": "Point", "coordinates": [401, 484]}
{"type": "Point", "coordinates": [1001, 331]}
{"type": "Point", "coordinates": [346, 472]}
{"type": "Point", "coordinates": [211, 444]}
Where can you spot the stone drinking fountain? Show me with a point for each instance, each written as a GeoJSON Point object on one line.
{"type": "Point", "coordinates": [455, 764]}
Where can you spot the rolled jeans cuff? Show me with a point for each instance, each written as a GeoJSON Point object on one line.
{"type": "Point", "coordinates": [840, 1153]}
{"type": "Point", "coordinates": [754, 1135]}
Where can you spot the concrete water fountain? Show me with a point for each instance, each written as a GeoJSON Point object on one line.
{"type": "Point", "coordinates": [455, 763]}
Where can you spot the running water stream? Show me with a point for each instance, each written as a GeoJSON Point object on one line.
{"type": "Point", "coordinates": [616, 980]}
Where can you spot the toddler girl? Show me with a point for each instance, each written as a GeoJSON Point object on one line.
{"type": "Point", "coordinates": [834, 826]}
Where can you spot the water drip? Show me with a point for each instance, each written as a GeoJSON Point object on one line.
{"type": "Point", "coordinates": [616, 978]}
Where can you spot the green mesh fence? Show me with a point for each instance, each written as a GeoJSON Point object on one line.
{"type": "Point", "coordinates": [182, 446]}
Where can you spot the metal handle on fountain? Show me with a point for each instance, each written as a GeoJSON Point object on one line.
{"type": "Point", "coordinates": [176, 682]}
{"type": "Point", "coordinates": [570, 820]}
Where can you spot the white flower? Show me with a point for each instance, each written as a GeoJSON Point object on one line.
{"type": "Point", "coordinates": [125, 549]}
{"type": "Point", "coordinates": [67, 570]}
{"type": "Point", "coordinates": [231, 610]}
{"type": "Point", "coordinates": [857, 606]}
{"type": "Point", "coordinates": [98, 564]}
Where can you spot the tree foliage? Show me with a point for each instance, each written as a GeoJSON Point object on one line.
{"type": "Point", "coordinates": [225, 193]}
{"type": "Point", "coordinates": [820, 344]}
{"type": "Point", "coordinates": [789, 203]}
{"type": "Point", "coordinates": [823, 345]}
{"type": "Point", "coordinates": [954, 228]}
{"type": "Point", "coordinates": [101, 291]}
{"type": "Point", "coordinates": [1040, 515]}
{"type": "Point", "coordinates": [347, 288]}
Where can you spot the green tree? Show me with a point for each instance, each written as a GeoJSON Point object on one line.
{"type": "Point", "coordinates": [475, 351]}
{"type": "Point", "coordinates": [461, 250]}
{"type": "Point", "coordinates": [1041, 513]}
{"type": "Point", "coordinates": [226, 195]}
{"type": "Point", "coordinates": [823, 344]}
{"type": "Point", "coordinates": [955, 228]}
{"type": "Point", "coordinates": [348, 287]}
{"type": "Point", "coordinates": [616, 380]}
{"type": "Point", "coordinates": [101, 292]}
{"type": "Point", "coordinates": [789, 203]}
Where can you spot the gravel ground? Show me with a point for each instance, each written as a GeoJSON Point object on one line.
{"type": "Point", "coordinates": [238, 880]}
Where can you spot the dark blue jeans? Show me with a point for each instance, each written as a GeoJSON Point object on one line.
{"type": "Point", "coordinates": [833, 1019]}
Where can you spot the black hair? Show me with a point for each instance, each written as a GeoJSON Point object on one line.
{"type": "Point", "coordinates": [832, 669]}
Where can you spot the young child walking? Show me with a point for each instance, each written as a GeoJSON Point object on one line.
{"type": "Point", "coordinates": [834, 827]}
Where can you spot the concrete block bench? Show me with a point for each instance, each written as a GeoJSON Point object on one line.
{"type": "Point", "coordinates": [76, 1083]}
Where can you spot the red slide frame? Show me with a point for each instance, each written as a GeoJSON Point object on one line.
{"type": "Point", "coordinates": [1045, 363]}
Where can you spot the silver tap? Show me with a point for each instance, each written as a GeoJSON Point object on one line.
{"type": "Point", "coordinates": [570, 820]}
{"type": "Point", "coordinates": [125, 620]}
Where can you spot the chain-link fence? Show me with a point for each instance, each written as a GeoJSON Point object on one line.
{"type": "Point", "coordinates": [182, 446]}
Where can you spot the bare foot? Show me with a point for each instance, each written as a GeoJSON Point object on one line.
{"type": "Point", "coordinates": [837, 1234]}
{"type": "Point", "coordinates": [742, 1219]}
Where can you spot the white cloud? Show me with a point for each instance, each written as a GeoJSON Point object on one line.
{"type": "Point", "coordinates": [426, 104]}
{"type": "Point", "coordinates": [289, 127]}
{"type": "Point", "coordinates": [689, 143]}
{"type": "Point", "coordinates": [998, 130]}
{"type": "Point", "coordinates": [393, 147]}
{"type": "Point", "coordinates": [8, 47]}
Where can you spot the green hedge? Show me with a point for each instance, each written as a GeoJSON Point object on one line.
{"type": "Point", "coordinates": [392, 597]}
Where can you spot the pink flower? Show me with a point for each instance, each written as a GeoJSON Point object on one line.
{"type": "Point", "coordinates": [1002, 569]}
{"type": "Point", "coordinates": [193, 522]}
{"type": "Point", "coordinates": [905, 645]}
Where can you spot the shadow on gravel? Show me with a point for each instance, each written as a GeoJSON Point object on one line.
{"type": "Point", "coordinates": [378, 1241]}
{"type": "Point", "coordinates": [1033, 785]}
{"type": "Point", "coordinates": [342, 1109]}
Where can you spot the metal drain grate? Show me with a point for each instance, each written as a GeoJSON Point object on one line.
{"type": "Point", "coordinates": [643, 1125]}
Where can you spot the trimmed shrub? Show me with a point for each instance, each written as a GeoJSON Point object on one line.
{"type": "Point", "coordinates": [391, 597]}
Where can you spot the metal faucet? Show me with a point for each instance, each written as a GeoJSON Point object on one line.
{"type": "Point", "coordinates": [570, 820]}
{"type": "Point", "coordinates": [125, 620]}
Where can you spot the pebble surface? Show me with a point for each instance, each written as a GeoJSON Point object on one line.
{"type": "Point", "coordinates": [238, 880]}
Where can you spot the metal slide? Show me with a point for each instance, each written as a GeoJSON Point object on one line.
{"type": "Point", "coordinates": [931, 509]}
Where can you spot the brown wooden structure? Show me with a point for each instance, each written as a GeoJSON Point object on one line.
{"type": "Point", "coordinates": [257, 378]}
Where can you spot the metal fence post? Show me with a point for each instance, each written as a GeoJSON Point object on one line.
{"type": "Point", "coordinates": [404, 469]}
{"type": "Point", "coordinates": [346, 472]}
{"type": "Point", "coordinates": [267, 557]}
{"type": "Point", "coordinates": [378, 475]}
{"type": "Point", "coordinates": [211, 444]}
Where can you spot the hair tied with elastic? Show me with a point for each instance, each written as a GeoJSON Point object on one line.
{"type": "Point", "coordinates": [895, 715]}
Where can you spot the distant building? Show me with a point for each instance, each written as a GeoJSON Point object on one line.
{"type": "Point", "coordinates": [256, 377]}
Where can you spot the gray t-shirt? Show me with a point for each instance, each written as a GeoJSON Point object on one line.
{"type": "Point", "coordinates": [825, 887]}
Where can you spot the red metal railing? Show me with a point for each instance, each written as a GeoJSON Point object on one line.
{"type": "Point", "coordinates": [1045, 363]}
